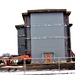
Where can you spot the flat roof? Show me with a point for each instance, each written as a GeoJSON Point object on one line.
{"type": "Point", "coordinates": [19, 26]}
{"type": "Point", "coordinates": [47, 11]}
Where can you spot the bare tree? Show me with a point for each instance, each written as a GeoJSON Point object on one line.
{"type": "Point", "coordinates": [6, 55]}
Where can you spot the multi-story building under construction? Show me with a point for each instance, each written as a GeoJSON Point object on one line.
{"type": "Point", "coordinates": [45, 32]}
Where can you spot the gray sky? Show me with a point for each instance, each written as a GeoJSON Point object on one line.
{"type": "Point", "coordinates": [10, 15]}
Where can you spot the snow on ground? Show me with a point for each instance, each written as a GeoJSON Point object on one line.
{"type": "Point", "coordinates": [43, 72]}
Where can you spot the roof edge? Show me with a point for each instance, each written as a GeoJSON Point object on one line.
{"type": "Point", "coordinates": [47, 11]}
{"type": "Point", "coordinates": [19, 26]}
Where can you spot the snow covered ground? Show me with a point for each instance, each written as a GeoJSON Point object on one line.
{"type": "Point", "coordinates": [44, 72]}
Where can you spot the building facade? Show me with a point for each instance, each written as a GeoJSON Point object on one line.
{"type": "Point", "coordinates": [45, 32]}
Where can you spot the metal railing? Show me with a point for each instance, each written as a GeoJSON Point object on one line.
{"type": "Point", "coordinates": [57, 60]}
{"type": "Point", "coordinates": [54, 60]}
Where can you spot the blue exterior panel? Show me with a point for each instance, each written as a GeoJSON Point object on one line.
{"type": "Point", "coordinates": [46, 38]}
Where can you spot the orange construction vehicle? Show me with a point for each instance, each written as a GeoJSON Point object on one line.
{"type": "Point", "coordinates": [8, 61]}
{"type": "Point", "coordinates": [21, 59]}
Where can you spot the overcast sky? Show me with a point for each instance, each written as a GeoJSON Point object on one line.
{"type": "Point", "coordinates": [10, 15]}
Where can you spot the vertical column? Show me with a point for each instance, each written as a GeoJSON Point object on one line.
{"type": "Point", "coordinates": [28, 36]}
{"type": "Point", "coordinates": [68, 43]}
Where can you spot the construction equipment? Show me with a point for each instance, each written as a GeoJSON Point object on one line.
{"type": "Point", "coordinates": [9, 61]}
